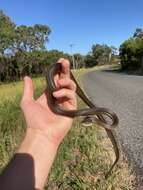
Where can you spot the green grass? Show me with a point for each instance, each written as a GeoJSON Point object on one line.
{"type": "Point", "coordinates": [12, 126]}
{"type": "Point", "coordinates": [82, 157]}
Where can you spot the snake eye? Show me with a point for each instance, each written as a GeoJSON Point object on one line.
{"type": "Point", "coordinates": [87, 121]}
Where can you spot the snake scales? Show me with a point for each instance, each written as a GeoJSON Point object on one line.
{"type": "Point", "coordinates": [101, 115]}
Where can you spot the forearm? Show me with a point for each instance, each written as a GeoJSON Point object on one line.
{"type": "Point", "coordinates": [33, 160]}
{"type": "Point", "coordinates": [43, 153]}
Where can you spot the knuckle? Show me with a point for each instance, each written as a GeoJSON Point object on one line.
{"type": "Point", "coordinates": [64, 91]}
{"type": "Point", "coordinates": [74, 86]}
{"type": "Point", "coordinates": [74, 94]}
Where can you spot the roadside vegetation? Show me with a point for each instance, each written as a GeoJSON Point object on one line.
{"type": "Point", "coordinates": [131, 53]}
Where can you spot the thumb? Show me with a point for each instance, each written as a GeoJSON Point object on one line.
{"type": "Point", "coordinates": [28, 89]}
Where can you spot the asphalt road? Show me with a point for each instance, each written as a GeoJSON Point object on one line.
{"type": "Point", "coordinates": [124, 95]}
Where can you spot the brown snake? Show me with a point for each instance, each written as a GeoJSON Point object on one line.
{"type": "Point", "coordinates": [100, 114]}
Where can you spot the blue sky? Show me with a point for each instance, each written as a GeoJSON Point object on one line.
{"type": "Point", "coordinates": [79, 22]}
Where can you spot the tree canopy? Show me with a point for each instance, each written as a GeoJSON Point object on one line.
{"type": "Point", "coordinates": [100, 54]}
{"type": "Point", "coordinates": [21, 38]}
{"type": "Point", "coordinates": [131, 52]}
{"type": "Point", "coordinates": [23, 49]}
{"type": "Point", "coordinates": [7, 32]}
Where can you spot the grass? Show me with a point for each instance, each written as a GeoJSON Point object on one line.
{"type": "Point", "coordinates": [12, 126]}
{"type": "Point", "coordinates": [83, 157]}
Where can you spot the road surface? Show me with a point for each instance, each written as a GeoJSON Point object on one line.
{"type": "Point", "coordinates": [123, 94]}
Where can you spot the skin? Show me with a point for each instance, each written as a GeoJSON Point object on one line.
{"type": "Point", "coordinates": [45, 131]}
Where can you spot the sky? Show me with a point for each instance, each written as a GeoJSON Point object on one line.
{"type": "Point", "coordinates": [79, 22]}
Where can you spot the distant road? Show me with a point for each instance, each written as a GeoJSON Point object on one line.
{"type": "Point", "coordinates": [123, 94]}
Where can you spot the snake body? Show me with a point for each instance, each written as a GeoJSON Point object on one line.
{"type": "Point", "coordinates": [100, 114]}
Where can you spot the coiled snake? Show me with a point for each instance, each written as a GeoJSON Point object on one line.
{"type": "Point", "coordinates": [101, 115]}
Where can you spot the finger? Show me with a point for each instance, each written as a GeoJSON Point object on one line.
{"type": "Point", "coordinates": [56, 79]}
{"type": "Point", "coordinates": [28, 89]}
{"type": "Point", "coordinates": [65, 66]}
{"type": "Point", "coordinates": [68, 83]}
{"type": "Point", "coordinates": [64, 93]}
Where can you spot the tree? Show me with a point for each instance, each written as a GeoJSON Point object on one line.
{"type": "Point", "coordinates": [131, 54]}
{"type": "Point", "coordinates": [79, 60]}
{"type": "Point", "coordinates": [90, 61]}
{"type": "Point", "coordinates": [102, 53]}
{"type": "Point", "coordinates": [7, 32]}
{"type": "Point", "coordinates": [41, 34]}
{"type": "Point", "coordinates": [138, 33]}
{"type": "Point", "coordinates": [22, 41]}
{"type": "Point", "coordinates": [31, 38]}
{"type": "Point", "coordinates": [27, 45]}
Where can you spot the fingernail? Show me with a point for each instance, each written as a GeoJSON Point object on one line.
{"type": "Point", "coordinates": [55, 93]}
{"type": "Point", "coordinates": [60, 60]}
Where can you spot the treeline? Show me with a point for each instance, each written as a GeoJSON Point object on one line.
{"type": "Point", "coordinates": [23, 51]}
{"type": "Point", "coordinates": [131, 52]}
{"type": "Point", "coordinates": [15, 38]}
{"type": "Point", "coordinates": [101, 54]}
{"type": "Point", "coordinates": [27, 63]}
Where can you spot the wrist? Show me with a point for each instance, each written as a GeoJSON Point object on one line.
{"type": "Point", "coordinates": [35, 137]}
{"type": "Point", "coordinates": [51, 134]}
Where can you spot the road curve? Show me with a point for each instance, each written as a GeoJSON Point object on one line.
{"type": "Point", "coordinates": [124, 95]}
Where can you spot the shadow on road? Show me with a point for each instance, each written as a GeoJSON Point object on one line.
{"type": "Point", "coordinates": [117, 70]}
{"type": "Point", "coordinates": [113, 70]}
{"type": "Point", "coordinates": [120, 71]}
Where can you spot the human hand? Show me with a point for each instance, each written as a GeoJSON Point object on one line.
{"type": "Point", "coordinates": [39, 116]}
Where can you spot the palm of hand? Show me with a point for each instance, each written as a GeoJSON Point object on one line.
{"type": "Point", "coordinates": [38, 114]}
